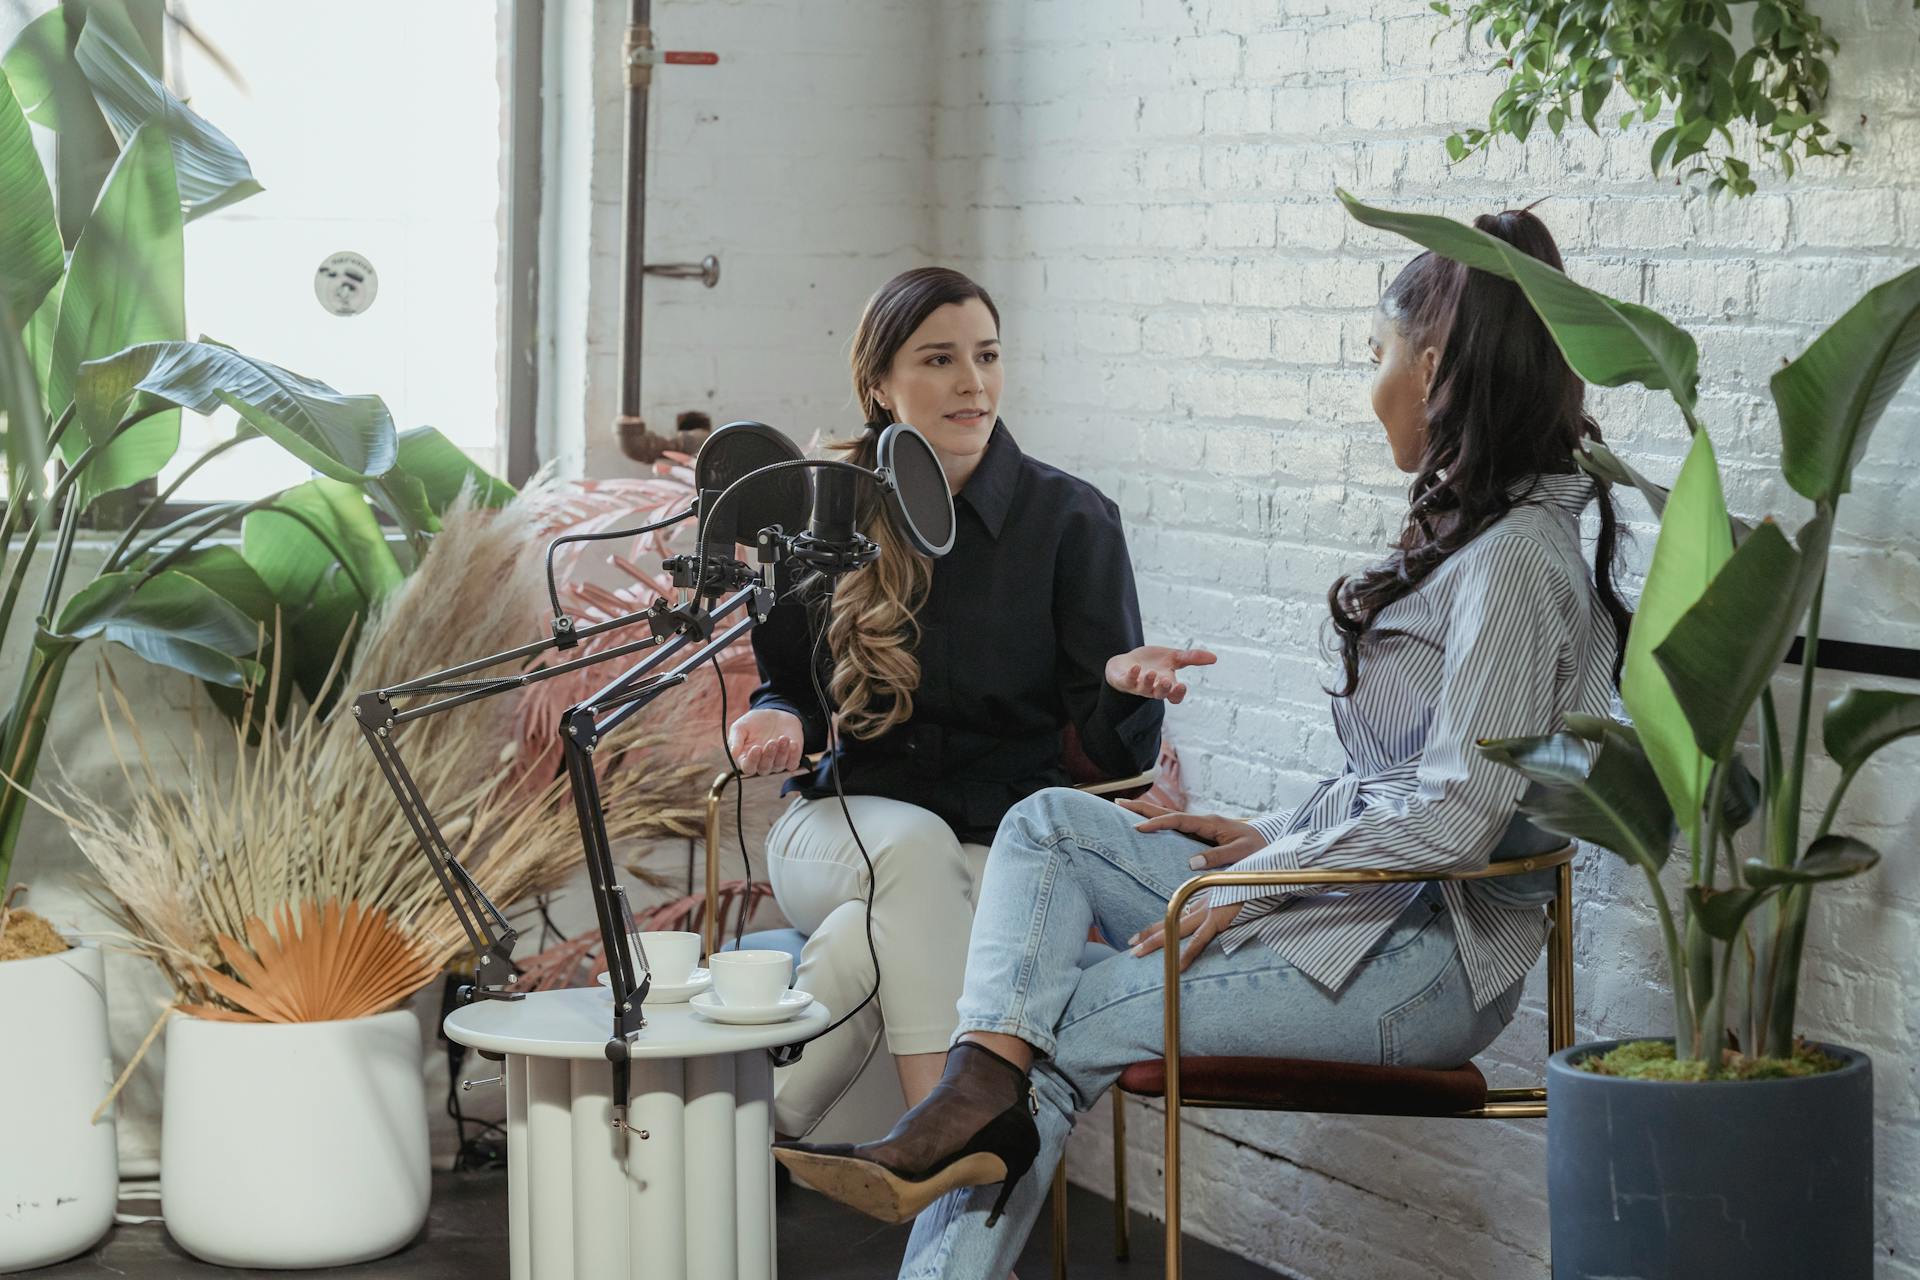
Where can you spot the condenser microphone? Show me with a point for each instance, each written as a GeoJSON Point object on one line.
{"type": "Point", "coordinates": [834, 494]}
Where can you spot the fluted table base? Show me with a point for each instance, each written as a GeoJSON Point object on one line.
{"type": "Point", "coordinates": [687, 1192]}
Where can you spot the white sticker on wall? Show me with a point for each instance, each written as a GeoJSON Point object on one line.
{"type": "Point", "coordinates": [346, 284]}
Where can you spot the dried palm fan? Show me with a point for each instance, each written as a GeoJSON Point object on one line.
{"type": "Point", "coordinates": [234, 829]}
{"type": "Point", "coordinates": [332, 965]}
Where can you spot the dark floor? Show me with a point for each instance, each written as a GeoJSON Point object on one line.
{"type": "Point", "coordinates": [466, 1239]}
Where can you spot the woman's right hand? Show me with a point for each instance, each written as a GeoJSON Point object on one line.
{"type": "Point", "coordinates": [767, 740]}
{"type": "Point", "coordinates": [1231, 839]}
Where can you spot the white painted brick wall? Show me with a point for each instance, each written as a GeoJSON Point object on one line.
{"type": "Point", "coordinates": [803, 160]}
{"type": "Point", "coordinates": [1185, 312]}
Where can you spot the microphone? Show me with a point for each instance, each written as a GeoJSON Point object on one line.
{"type": "Point", "coordinates": [831, 522]}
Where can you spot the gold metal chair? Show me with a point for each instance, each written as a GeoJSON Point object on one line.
{"type": "Point", "coordinates": [1283, 1084]}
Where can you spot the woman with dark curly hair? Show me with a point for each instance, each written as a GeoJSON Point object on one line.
{"type": "Point", "coordinates": [1482, 621]}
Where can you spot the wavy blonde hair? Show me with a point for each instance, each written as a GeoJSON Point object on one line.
{"type": "Point", "coordinates": [873, 631]}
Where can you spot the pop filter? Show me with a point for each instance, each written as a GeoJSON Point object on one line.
{"type": "Point", "coordinates": [917, 488]}
{"type": "Point", "coordinates": [739, 449]}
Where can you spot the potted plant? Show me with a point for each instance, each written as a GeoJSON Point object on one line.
{"type": "Point", "coordinates": [94, 369]}
{"type": "Point", "coordinates": [1735, 1147]}
{"type": "Point", "coordinates": [295, 1129]}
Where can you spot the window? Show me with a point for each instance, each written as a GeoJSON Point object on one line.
{"type": "Point", "coordinates": [377, 130]}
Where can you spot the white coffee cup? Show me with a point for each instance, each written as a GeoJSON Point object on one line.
{"type": "Point", "coordinates": [750, 979]}
{"type": "Point", "coordinates": [670, 955]}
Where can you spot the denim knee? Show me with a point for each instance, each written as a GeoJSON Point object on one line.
{"type": "Point", "coordinates": [1047, 815]}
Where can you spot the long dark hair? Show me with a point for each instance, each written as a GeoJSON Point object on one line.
{"type": "Point", "coordinates": [872, 632]}
{"type": "Point", "coordinates": [1504, 406]}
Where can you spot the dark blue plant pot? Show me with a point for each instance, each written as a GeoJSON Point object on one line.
{"type": "Point", "coordinates": [1760, 1179]}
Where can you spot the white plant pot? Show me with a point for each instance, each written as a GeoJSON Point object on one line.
{"type": "Point", "coordinates": [59, 1178]}
{"type": "Point", "coordinates": [293, 1145]}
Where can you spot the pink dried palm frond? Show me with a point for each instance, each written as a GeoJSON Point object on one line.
{"type": "Point", "coordinates": [690, 722]}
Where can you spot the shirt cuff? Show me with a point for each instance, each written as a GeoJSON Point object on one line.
{"type": "Point", "coordinates": [1282, 855]}
{"type": "Point", "coordinates": [1273, 826]}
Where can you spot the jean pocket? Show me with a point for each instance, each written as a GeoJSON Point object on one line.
{"type": "Point", "coordinates": [1411, 1032]}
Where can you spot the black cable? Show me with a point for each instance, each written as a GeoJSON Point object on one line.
{"type": "Point", "coordinates": [739, 816]}
{"type": "Point", "coordinates": [739, 825]}
{"type": "Point", "coordinates": [833, 767]}
{"type": "Point", "coordinates": [553, 590]}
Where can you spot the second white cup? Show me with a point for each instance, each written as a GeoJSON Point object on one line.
{"type": "Point", "coordinates": [750, 979]}
{"type": "Point", "coordinates": [671, 955]}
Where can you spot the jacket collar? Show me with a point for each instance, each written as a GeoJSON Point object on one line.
{"type": "Point", "coordinates": [990, 489]}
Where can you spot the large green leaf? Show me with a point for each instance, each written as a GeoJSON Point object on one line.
{"type": "Point", "coordinates": [1722, 911]}
{"type": "Point", "coordinates": [169, 619]}
{"type": "Point", "coordinates": [315, 554]}
{"type": "Point", "coordinates": [1828, 858]}
{"type": "Point", "coordinates": [1695, 541]}
{"type": "Point", "coordinates": [211, 171]}
{"type": "Point", "coordinates": [1608, 342]}
{"type": "Point", "coordinates": [345, 437]}
{"type": "Point", "coordinates": [442, 468]}
{"type": "Point", "coordinates": [1604, 464]}
{"type": "Point", "coordinates": [1722, 652]}
{"type": "Point", "coordinates": [39, 334]}
{"type": "Point", "coordinates": [1832, 396]}
{"type": "Point", "coordinates": [225, 572]}
{"type": "Point", "coordinates": [1861, 721]}
{"type": "Point", "coordinates": [312, 532]}
{"type": "Point", "coordinates": [31, 255]}
{"type": "Point", "coordinates": [41, 64]}
{"type": "Point", "coordinates": [124, 286]}
{"type": "Point", "coordinates": [1592, 784]}
{"type": "Point", "coordinates": [40, 69]}
{"type": "Point", "coordinates": [26, 441]}
{"type": "Point", "coordinates": [429, 475]}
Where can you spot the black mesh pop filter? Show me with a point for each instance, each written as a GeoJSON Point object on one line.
{"type": "Point", "coordinates": [740, 449]}
{"type": "Point", "coordinates": [918, 495]}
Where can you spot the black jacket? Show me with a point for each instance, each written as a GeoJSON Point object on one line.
{"type": "Point", "coordinates": [1015, 633]}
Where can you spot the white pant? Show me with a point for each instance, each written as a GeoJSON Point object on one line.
{"type": "Point", "coordinates": [924, 886]}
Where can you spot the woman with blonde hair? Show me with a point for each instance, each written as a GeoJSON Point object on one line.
{"type": "Point", "coordinates": [941, 691]}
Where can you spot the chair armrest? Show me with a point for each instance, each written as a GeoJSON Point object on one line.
{"type": "Point", "coordinates": [1357, 875]}
{"type": "Point", "coordinates": [1139, 782]}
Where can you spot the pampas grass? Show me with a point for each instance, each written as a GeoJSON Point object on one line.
{"type": "Point", "coordinates": [222, 840]}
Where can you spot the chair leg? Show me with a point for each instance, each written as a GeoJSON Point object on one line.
{"type": "Point", "coordinates": [1122, 1242]}
{"type": "Point", "coordinates": [1060, 1219]}
{"type": "Point", "coordinates": [1172, 1180]}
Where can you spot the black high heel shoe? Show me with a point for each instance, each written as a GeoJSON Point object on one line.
{"type": "Point", "coordinates": [976, 1128]}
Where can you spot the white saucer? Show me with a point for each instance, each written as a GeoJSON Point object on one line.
{"type": "Point", "coordinates": [660, 993]}
{"type": "Point", "coordinates": [708, 1005]}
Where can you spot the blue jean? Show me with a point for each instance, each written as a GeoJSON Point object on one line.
{"type": "Point", "coordinates": [1063, 862]}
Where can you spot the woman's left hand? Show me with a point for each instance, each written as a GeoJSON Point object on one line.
{"type": "Point", "coordinates": [1152, 670]}
{"type": "Point", "coordinates": [1198, 926]}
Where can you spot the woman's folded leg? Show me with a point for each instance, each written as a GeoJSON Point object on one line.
{"type": "Point", "coordinates": [922, 893]}
{"type": "Point", "coordinates": [1409, 1003]}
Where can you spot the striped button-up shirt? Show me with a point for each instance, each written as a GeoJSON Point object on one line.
{"type": "Point", "coordinates": [1505, 638]}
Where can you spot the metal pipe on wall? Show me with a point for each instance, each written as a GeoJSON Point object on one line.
{"type": "Point", "coordinates": [636, 441]}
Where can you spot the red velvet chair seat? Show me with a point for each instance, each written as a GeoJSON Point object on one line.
{"type": "Point", "coordinates": [1298, 1084]}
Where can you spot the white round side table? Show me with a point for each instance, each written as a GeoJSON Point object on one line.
{"type": "Point", "coordinates": [687, 1192]}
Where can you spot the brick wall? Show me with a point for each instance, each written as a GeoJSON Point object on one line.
{"type": "Point", "coordinates": [803, 161]}
{"type": "Point", "coordinates": [1147, 188]}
